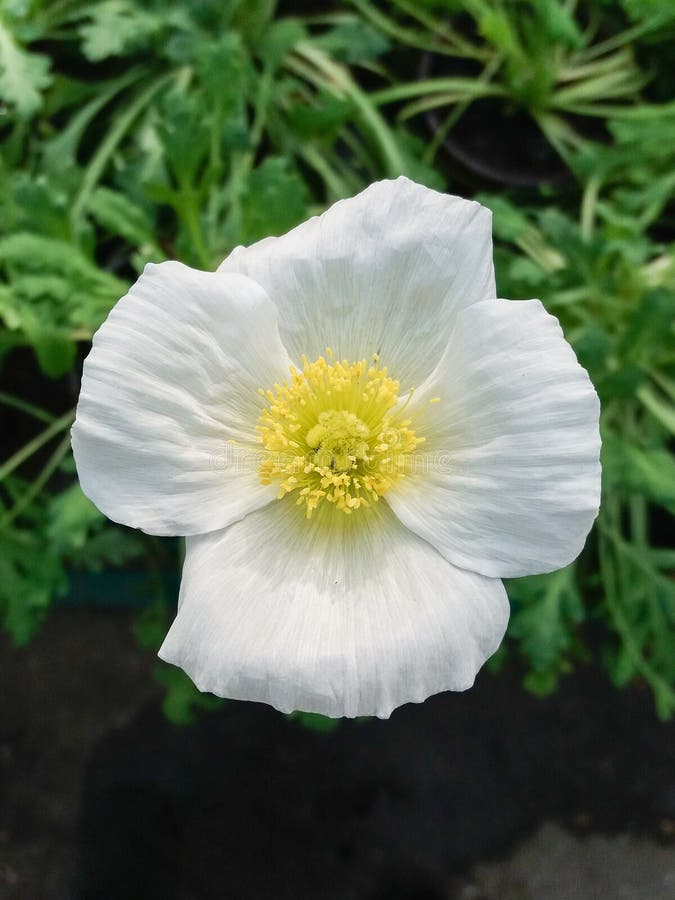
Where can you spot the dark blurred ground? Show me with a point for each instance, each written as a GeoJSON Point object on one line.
{"type": "Point", "coordinates": [81, 677]}
{"type": "Point", "coordinates": [488, 795]}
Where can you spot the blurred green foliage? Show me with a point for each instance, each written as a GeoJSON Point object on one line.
{"type": "Point", "coordinates": [141, 131]}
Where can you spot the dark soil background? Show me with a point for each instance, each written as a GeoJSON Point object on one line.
{"type": "Point", "coordinates": [101, 797]}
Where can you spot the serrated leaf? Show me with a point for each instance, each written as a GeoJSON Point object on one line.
{"type": "Point", "coordinates": [30, 576]}
{"type": "Point", "coordinates": [91, 292]}
{"type": "Point", "coordinates": [23, 75]}
{"type": "Point", "coordinates": [185, 134]}
{"type": "Point", "coordinates": [37, 204]}
{"type": "Point", "coordinates": [115, 27]}
{"type": "Point", "coordinates": [71, 517]}
{"type": "Point", "coordinates": [120, 215]}
{"type": "Point", "coordinates": [222, 66]}
{"type": "Point", "coordinates": [275, 200]}
{"type": "Point", "coordinates": [544, 609]}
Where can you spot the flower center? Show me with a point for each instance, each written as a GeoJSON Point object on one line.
{"type": "Point", "coordinates": [335, 432]}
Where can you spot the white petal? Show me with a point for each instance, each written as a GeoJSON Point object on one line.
{"type": "Point", "coordinates": [509, 483]}
{"type": "Point", "coordinates": [385, 271]}
{"type": "Point", "coordinates": [171, 379]}
{"type": "Point", "coordinates": [340, 617]}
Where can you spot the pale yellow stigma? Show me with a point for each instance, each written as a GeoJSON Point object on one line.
{"type": "Point", "coordinates": [332, 433]}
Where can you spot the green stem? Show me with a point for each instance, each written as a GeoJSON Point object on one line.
{"type": "Point", "coordinates": [335, 77]}
{"type": "Point", "coordinates": [412, 38]}
{"type": "Point", "coordinates": [467, 88]}
{"type": "Point", "coordinates": [624, 630]}
{"type": "Point", "coordinates": [661, 411]}
{"type": "Point", "coordinates": [189, 213]}
{"type": "Point", "coordinates": [590, 70]}
{"type": "Point", "coordinates": [337, 189]}
{"type": "Point", "coordinates": [589, 204]}
{"type": "Point", "coordinates": [242, 163]}
{"type": "Point", "coordinates": [25, 406]}
{"type": "Point", "coordinates": [618, 40]}
{"type": "Point", "coordinates": [456, 114]}
{"type": "Point", "coordinates": [38, 484]}
{"type": "Point", "coordinates": [434, 26]}
{"type": "Point", "coordinates": [108, 146]}
{"type": "Point", "coordinates": [34, 445]}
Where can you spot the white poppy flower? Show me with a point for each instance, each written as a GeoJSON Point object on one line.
{"type": "Point", "coordinates": [345, 534]}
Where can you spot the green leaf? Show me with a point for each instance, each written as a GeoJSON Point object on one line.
{"type": "Point", "coordinates": [39, 204]}
{"type": "Point", "coordinates": [120, 215]}
{"type": "Point", "coordinates": [23, 75]}
{"type": "Point", "coordinates": [509, 223]}
{"type": "Point", "coordinates": [182, 699]}
{"type": "Point", "coordinates": [150, 625]}
{"type": "Point", "coordinates": [222, 65]}
{"type": "Point", "coordinates": [410, 149]}
{"type": "Point", "coordinates": [661, 409]}
{"type": "Point", "coordinates": [623, 382]}
{"type": "Point", "coordinates": [322, 118]}
{"type": "Point", "coordinates": [542, 684]}
{"type": "Point", "coordinates": [558, 23]}
{"type": "Point", "coordinates": [54, 349]}
{"type": "Point", "coordinates": [527, 272]}
{"type": "Point", "coordinates": [279, 39]}
{"type": "Point", "coordinates": [315, 722]}
{"type": "Point", "coordinates": [185, 134]}
{"type": "Point", "coordinates": [620, 664]}
{"type": "Point", "coordinates": [497, 28]}
{"type": "Point", "coordinates": [251, 17]}
{"type": "Point", "coordinates": [593, 346]}
{"type": "Point", "coordinates": [116, 26]}
{"type": "Point", "coordinates": [651, 324]}
{"type": "Point", "coordinates": [31, 574]}
{"type": "Point", "coordinates": [275, 200]}
{"type": "Point", "coordinates": [59, 152]}
{"type": "Point", "coordinates": [71, 518]}
{"type": "Point", "coordinates": [649, 472]}
{"type": "Point", "coordinates": [111, 546]}
{"type": "Point", "coordinates": [659, 13]}
{"type": "Point", "coordinates": [545, 609]}
{"type": "Point", "coordinates": [82, 293]}
{"type": "Point", "coordinates": [354, 42]}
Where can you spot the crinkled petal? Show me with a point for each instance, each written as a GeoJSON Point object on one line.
{"type": "Point", "coordinates": [172, 379]}
{"type": "Point", "coordinates": [339, 616]}
{"type": "Point", "coordinates": [383, 272]}
{"type": "Point", "coordinates": [509, 483]}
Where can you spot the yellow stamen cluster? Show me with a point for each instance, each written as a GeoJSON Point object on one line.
{"type": "Point", "coordinates": [332, 433]}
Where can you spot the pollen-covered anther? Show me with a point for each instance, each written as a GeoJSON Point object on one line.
{"type": "Point", "coordinates": [334, 432]}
